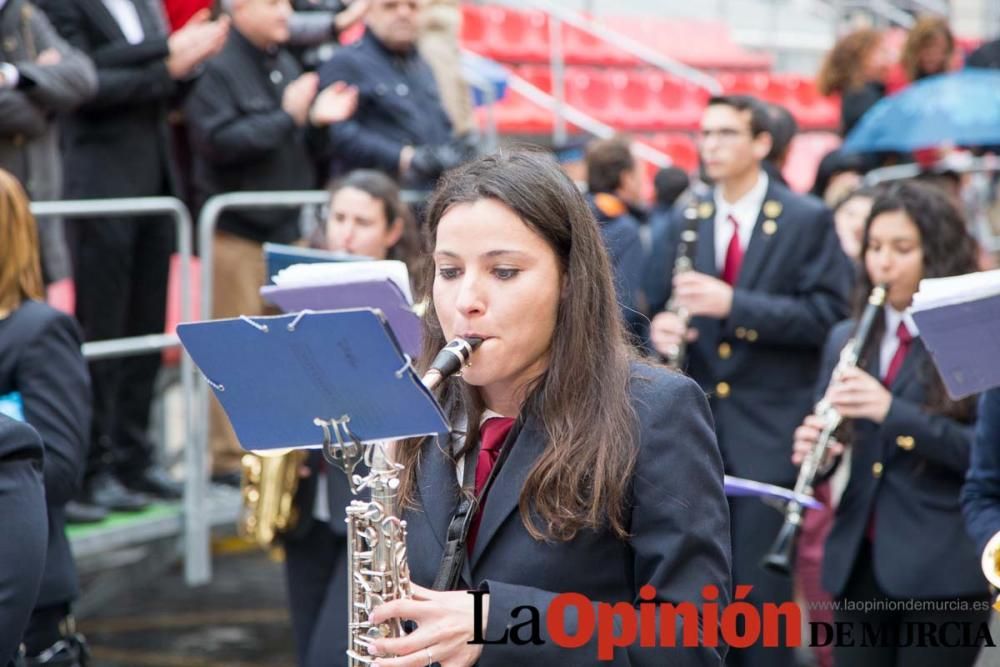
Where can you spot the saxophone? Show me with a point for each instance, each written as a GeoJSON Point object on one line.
{"type": "Point", "coordinates": [779, 558]}
{"type": "Point", "coordinates": [376, 536]}
{"type": "Point", "coordinates": [270, 480]}
{"type": "Point", "coordinates": [686, 247]}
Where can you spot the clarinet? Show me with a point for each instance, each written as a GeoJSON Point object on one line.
{"type": "Point", "coordinates": [779, 559]}
{"type": "Point", "coordinates": [376, 535]}
{"type": "Point", "coordinates": [685, 262]}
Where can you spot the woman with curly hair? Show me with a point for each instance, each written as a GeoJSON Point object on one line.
{"type": "Point", "coordinates": [855, 69]}
{"type": "Point", "coordinates": [928, 50]}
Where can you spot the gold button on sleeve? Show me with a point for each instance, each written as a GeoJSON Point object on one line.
{"type": "Point", "coordinates": [877, 468]}
{"type": "Point", "coordinates": [725, 351]}
{"type": "Point", "coordinates": [722, 389]}
{"type": "Point", "coordinates": [906, 442]}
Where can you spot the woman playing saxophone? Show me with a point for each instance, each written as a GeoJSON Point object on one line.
{"type": "Point", "coordinates": [596, 473]}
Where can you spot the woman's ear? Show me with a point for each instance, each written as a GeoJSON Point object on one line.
{"type": "Point", "coordinates": [394, 232]}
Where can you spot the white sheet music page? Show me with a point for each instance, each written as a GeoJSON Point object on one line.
{"type": "Point", "coordinates": [938, 292]}
{"type": "Point", "coordinates": [336, 273]}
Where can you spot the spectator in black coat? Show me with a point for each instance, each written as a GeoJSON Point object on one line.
{"type": "Point", "coordinates": [401, 127]}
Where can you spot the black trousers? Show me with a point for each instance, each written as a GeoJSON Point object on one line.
{"type": "Point", "coordinates": [121, 268]}
{"type": "Point", "coordinates": [316, 573]}
{"type": "Point", "coordinates": [862, 586]}
{"type": "Point", "coordinates": [754, 526]}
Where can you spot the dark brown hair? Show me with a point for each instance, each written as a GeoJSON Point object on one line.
{"type": "Point", "coordinates": [923, 31]}
{"type": "Point", "coordinates": [843, 69]}
{"type": "Point", "coordinates": [582, 478]}
{"type": "Point", "coordinates": [20, 267]}
{"type": "Point", "coordinates": [607, 160]}
{"type": "Point", "coordinates": [948, 250]}
{"type": "Point", "coordinates": [760, 120]}
{"type": "Point", "coordinates": [408, 249]}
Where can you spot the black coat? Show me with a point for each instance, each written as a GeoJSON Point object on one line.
{"type": "Point", "coordinates": [398, 105]}
{"type": "Point", "coordinates": [23, 525]}
{"type": "Point", "coordinates": [677, 518]}
{"type": "Point", "coordinates": [908, 470]}
{"type": "Point", "coordinates": [40, 358]}
{"type": "Point", "coordinates": [243, 140]}
{"type": "Point", "coordinates": [117, 144]}
{"type": "Point", "coordinates": [760, 364]}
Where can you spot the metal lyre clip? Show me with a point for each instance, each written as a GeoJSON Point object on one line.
{"type": "Point", "coordinates": [341, 447]}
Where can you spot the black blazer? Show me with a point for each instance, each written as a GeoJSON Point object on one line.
{"type": "Point", "coordinates": [759, 365]}
{"type": "Point", "coordinates": [23, 525]}
{"type": "Point", "coordinates": [117, 144]}
{"type": "Point", "coordinates": [678, 520]}
{"type": "Point", "coordinates": [909, 471]}
{"type": "Point", "coordinates": [40, 358]}
{"type": "Point", "coordinates": [243, 140]}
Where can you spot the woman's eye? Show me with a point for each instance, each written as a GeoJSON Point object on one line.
{"type": "Point", "coordinates": [505, 274]}
{"type": "Point", "coordinates": [448, 272]}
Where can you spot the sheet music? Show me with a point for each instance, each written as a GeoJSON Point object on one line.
{"type": "Point", "coordinates": [938, 292]}
{"type": "Point", "coordinates": [335, 273]}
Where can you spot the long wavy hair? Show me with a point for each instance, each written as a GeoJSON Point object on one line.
{"type": "Point", "coordinates": [582, 478]}
{"type": "Point", "coordinates": [20, 267]}
{"type": "Point", "coordinates": [842, 71]}
{"type": "Point", "coordinates": [948, 250]}
{"type": "Point", "coordinates": [923, 31]}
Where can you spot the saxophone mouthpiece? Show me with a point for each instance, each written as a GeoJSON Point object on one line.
{"type": "Point", "coordinates": [450, 359]}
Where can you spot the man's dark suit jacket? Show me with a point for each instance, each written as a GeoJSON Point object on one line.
{"type": "Point", "coordinates": [23, 525]}
{"type": "Point", "coordinates": [40, 358]}
{"type": "Point", "coordinates": [759, 365]}
{"type": "Point", "coordinates": [678, 522]}
{"type": "Point", "coordinates": [908, 471]}
{"type": "Point", "coordinates": [117, 144]}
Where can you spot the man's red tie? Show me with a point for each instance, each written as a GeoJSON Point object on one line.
{"type": "Point", "coordinates": [492, 434]}
{"type": "Point", "coordinates": [905, 340]}
{"type": "Point", "coordinates": [734, 254]}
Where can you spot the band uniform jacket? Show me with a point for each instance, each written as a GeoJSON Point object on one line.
{"type": "Point", "coordinates": [759, 365]}
{"type": "Point", "coordinates": [22, 514]}
{"type": "Point", "coordinates": [908, 471]}
{"type": "Point", "coordinates": [981, 493]}
{"type": "Point", "coordinates": [40, 358]}
{"type": "Point", "coordinates": [677, 519]}
{"type": "Point", "coordinates": [117, 144]}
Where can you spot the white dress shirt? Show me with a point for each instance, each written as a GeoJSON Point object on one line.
{"type": "Point", "coordinates": [890, 341]}
{"type": "Point", "coordinates": [745, 210]}
{"type": "Point", "coordinates": [125, 13]}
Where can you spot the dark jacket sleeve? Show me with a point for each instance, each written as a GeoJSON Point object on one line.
{"type": "Point", "coordinates": [24, 525]}
{"type": "Point", "coordinates": [350, 137]}
{"type": "Point", "coordinates": [64, 85]}
{"type": "Point", "coordinates": [658, 269]}
{"type": "Point", "coordinates": [19, 115]}
{"type": "Point", "coordinates": [54, 384]}
{"type": "Point", "coordinates": [224, 133]}
{"type": "Point", "coordinates": [679, 535]}
{"type": "Point", "coordinates": [981, 493]}
{"type": "Point", "coordinates": [819, 301]}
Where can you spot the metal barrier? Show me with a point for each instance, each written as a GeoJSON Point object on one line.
{"type": "Point", "coordinates": [196, 544]}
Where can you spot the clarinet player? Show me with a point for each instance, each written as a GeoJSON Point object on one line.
{"type": "Point", "coordinates": [898, 533]}
{"type": "Point", "coordinates": [601, 472]}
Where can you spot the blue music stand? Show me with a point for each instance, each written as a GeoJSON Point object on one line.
{"type": "Point", "coordinates": [284, 380]}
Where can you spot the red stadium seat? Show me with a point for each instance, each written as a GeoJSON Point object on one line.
{"type": "Point", "coordinates": [583, 48]}
{"type": "Point", "coordinates": [590, 91]}
{"type": "Point", "coordinates": [680, 147]}
{"type": "Point", "coordinates": [517, 36]}
{"type": "Point", "coordinates": [680, 102]}
{"type": "Point", "coordinates": [803, 158]}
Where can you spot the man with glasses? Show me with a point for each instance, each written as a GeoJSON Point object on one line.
{"type": "Point", "coordinates": [769, 281]}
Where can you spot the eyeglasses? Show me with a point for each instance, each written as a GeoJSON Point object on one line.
{"type": "Point", "coordinates": [724, 134]}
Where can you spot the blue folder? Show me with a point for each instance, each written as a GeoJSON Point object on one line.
{"type": "Point", "coordinates": [275, 376]}
{"type": "Point", "coordinates": [278, 256]}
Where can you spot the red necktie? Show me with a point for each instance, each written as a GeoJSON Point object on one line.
{"type": "Point", "coordinates": [905, 340]}
{"type": "Point", "coordinates": [492, 434]}
{"type": "Point", "coordinates": [734, 254]}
